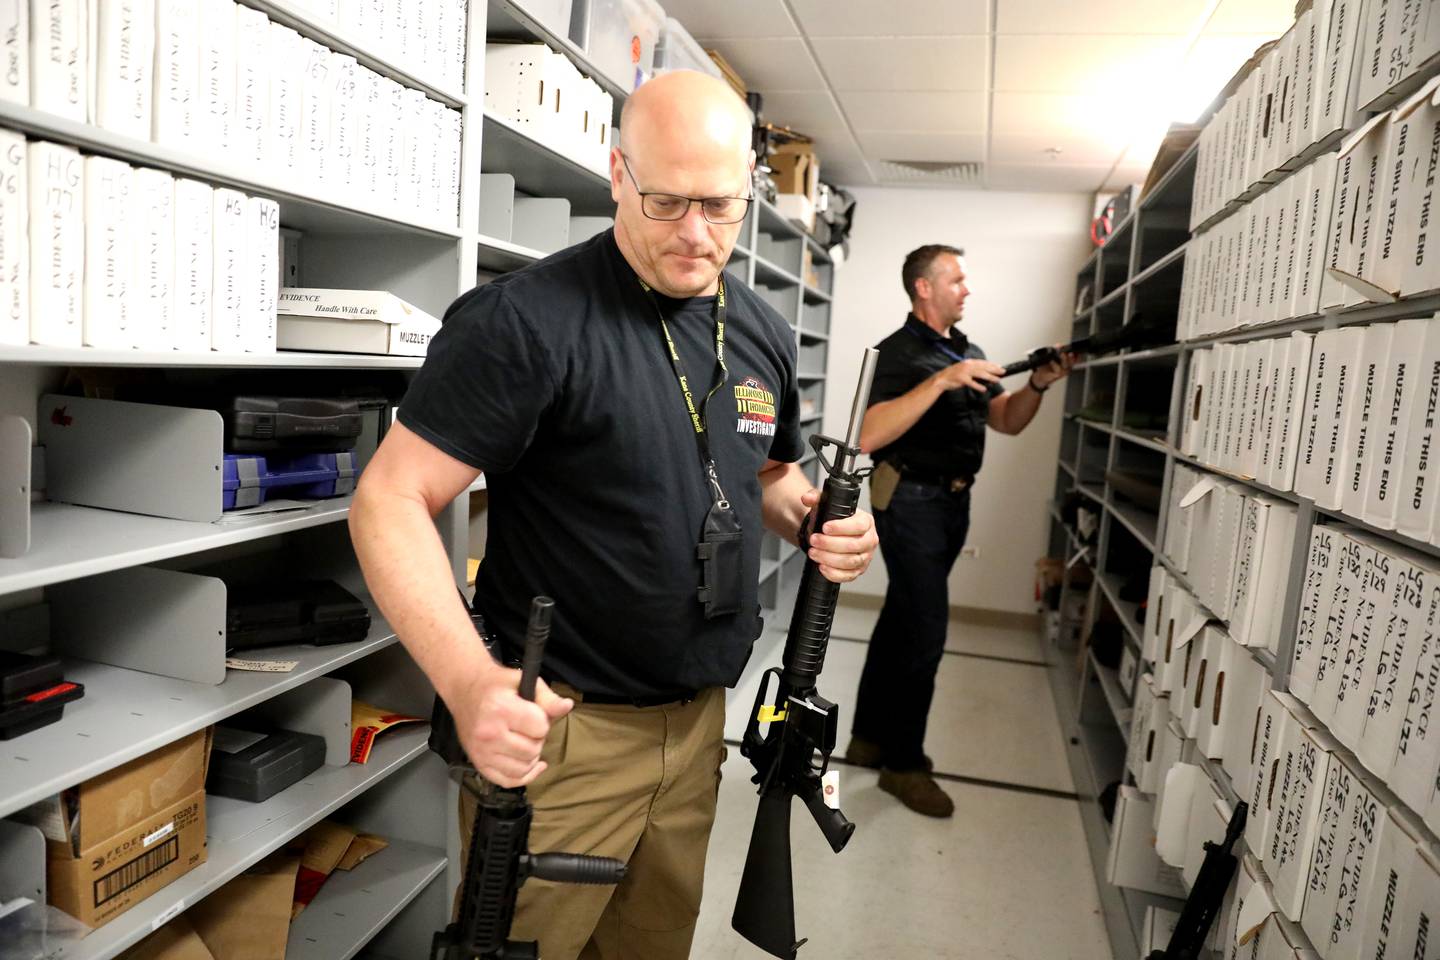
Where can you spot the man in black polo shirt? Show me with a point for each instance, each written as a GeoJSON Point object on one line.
{"type": "Point", "coordinates": [933, 396]}
{"type": "Point", "coordinates": [621, 401]}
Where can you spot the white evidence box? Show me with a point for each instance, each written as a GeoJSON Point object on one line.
{"type": "Point", "coordinates": [1419, 261]}
{"type": "Point", "coordinates": [262, 275]}
{"type": "Point", "coordinates": [1417, 747]}
{"type": "Point", "coordinates": [1391, 427]}
{"type": "Point", "coordinates": [1364, 642]}
{"type": "Point", "coordinates": [194, 265]}
{"type": "Point", "coordinates": [15, 44]}
{"type": "Point", "coordinates": [1417, 495]}
{"type": "Point", "coordinates": [1325, 448]}
{"type": "Point", "coordinates": [56, 180]}
{"type": "Point", "coordinates": [1296, 382]}
{"type": "Point", "coordinates": [177, 110]}
{"type": "Point", "coordinates": [59, 59]}
{"type": "Point", "coordinates": [1306, 754]}
{"type": "Point", "coordinates": [1413, 581]}
{"type": "Point", "coordinates": [14, 239]}
{"type": "Point", "coordinates": [1315, 243]}
{"type": "Point", "coordinates": [124, 65]}
{"type": "Point", "coordinates": [228, 312]}
{"type": "Point", "coordinates": [109, 253]}
{"type": "Point", "coordinates": [284, 130]}
{"type": "Point", "coordinates": [1366, 414]}
{"type": "Point", "coordinates": [1277, 710]}
{"type": "Point", "coordinates": [154, 310]}
{"type": "Point", "coordinates": [1358, 555]}
{"type": "Point", "coordinates": [1317, 595]}
{"type": "Point", "coordinates": [253, 67]}
{"type": "Point", "coordinates": [218, 36]}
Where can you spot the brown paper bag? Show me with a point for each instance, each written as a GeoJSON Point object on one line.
{"type": "Point", "coordinates": [177, 940]}
{"type": "Point", "coordinates": [249, 917]}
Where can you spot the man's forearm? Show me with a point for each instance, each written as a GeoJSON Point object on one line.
{"type": "Point", "coordinates": [781, 488]}
{"type": "Point", "coordinates": [1020, 408]}
{"type": "Point", "coordinates": [409, 576]}
{"type": "Point", "coordinates": [887, 422]}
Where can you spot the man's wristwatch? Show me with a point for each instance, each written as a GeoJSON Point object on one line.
{"type": "Point", "coordinates": [1032, 386]}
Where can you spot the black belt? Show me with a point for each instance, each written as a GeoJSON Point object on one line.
{"type": "Point", "coordinates": [659, 700]}
{"type": "Point", "coordinates": [956, 483]}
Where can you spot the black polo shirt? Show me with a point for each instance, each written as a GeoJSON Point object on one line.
{"type": "Point", "coordinates": [949, 438]}
{"type": "Point", "coordinates": [554, 380]}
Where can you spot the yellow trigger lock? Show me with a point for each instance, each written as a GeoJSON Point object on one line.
{"type": "Point", "coordinates": [769, 714]}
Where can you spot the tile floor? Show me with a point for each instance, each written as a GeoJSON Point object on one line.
{"type": "Point", "coordinates": [1008, 876]}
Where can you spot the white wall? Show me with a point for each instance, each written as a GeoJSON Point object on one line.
{"type": "Point", "coordinates": [1022, 253]}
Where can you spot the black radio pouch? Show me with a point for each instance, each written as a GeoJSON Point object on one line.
{"type": "Point", "coordinates": [721, 561]}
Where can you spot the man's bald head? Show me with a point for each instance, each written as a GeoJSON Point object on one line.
{"type": "Point", "coordinates": [688, 135]}
{"type": "Point", "coordinates": [691, 106]}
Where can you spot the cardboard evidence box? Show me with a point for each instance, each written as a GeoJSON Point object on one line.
{"type": "Point", "coordinates": [1133, 862]}
{"type": "Point", "coordinates": [1306, 752]}
{"type": "Point", "coordinates": [352, 321]}
{"type": "Point", "coordinates": [121, 836]}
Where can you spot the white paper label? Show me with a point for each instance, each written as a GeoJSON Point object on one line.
{"type": "Point", "coordinates": [168, 914]}
{"type": "Point", "coordinates": [261, 666]}
{"type": "Point", "coordinates": [830, 789]}
{"type": "Point", "coordinates": [160, 834]}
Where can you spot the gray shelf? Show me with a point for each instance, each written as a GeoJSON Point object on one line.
{"type": "Point", "coordinates": [811, 377]}
{"type": "Point", "coordinates": [354, 905]}
{"type": "Point", "coordinates": [502, 256]}
{"type": "Point", "coordinates": [1140, 440]}
{"type": "Point", "coordinates": [814, 336]}
{"type": "Point", "coordinates": [1144, 526]}
{"type": "Point", "coordinates": [768, 569]}
{"type": "Point", "coordinates": [817, 253]}
{"type": "Point", "coordinates": [93, 357]}
{"type": "Point", "coordinates": [1114, 695]}
{"type": "Point", "coordinates": [1177, 169]}
{"type": "Point", "coordinates": [339, 39]}
{"type": "Point", "coordinates": [772, 222]}
{"type": "Point", "coordinates": [126, 714]}
{"type": "Point", "coordinates": [1159, 265]}
{"type": "Point", "coordinates": [541, 171]}
{"type": "Point", "coordinates": [772, 275]}
{"type": "Point", "coordinates": [507, 20]}
{"type": "Point", "coordinates": [258, 829]}
{"type": "Point", "coordinates": [309, 207]}
{"type": "Point", "coordinates": [1114, 296]}
{"type": "Point", "coordinates": [1110, 586]}
{"type": "Point", "coordinates": [815, 296]}
{"type": "Point", "coordinates": [68, 542]}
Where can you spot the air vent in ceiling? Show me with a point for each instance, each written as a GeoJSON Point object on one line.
{"type": "Point", "coordinates": [946, 173]}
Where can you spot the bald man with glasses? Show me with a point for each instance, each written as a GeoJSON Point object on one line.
{"type": "Point", "coordinates": [635, 412]}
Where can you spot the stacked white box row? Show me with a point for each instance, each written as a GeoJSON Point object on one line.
{"type": "Point", "coordinates": [218, 77]}
{"type": "Point", "coordinates": [1264, 263]}
{"type": "Point", "coordinates": [97, 253]}
{"type": "Point", "coordinates": [420, 36]}
{"type": "Point", "coordinates": [1351, 228]}
{"type": "Point", "coordinates": [543, 95]}
{"type": "Point", "coordinates": [1345, 417]}
{"type": "Point", "coordinates": [1300, 92]}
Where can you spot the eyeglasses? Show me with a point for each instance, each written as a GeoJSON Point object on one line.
{"type": "Point", "coordinates": [668, 206]}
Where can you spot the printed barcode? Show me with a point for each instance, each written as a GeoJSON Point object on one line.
{"type": "Point", "coordinates": [127, 875]}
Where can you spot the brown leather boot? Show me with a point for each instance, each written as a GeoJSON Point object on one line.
{"type": "Point", "coordinates": [868, 753]}
{"type": "Point", "coordinates": [918, 791]}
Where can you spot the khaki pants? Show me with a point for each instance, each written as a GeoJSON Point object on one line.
{"type": "Point", "coordinates": [638, 784]}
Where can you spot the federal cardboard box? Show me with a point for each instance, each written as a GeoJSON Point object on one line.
{"type": "Point", "coordinates": [1366, 415]}
{"type": "Point", "coordinates": [133, 831]}
{"type": "Point", "coordinates": [795, 169]}
{"type": "Point", "coordinates": [1357, 560]}
{"type": "Point", "coordinates": [1133, 862]}
{"type": "Point", "coordinates": [1363, 643]}
{"type": "Point", "coordinates": [1277, 711]}
{"type": "Point", "coordinates": [1417, 748]}
{"type": "Point", "coordinates": [1413, 581]}
{"type": "Point", "coordinates": [1322, 569]}
{"type": "Point", "coordinates": [1353, 813]}
{"type": "Point", "coordinates": [1417, 496]}
{"type": "Point", "coordinates": [1239, 685]}
{"type": "Point", "coordinates": [1305, 760]}
{"type": "Point", "coordinates": [1392, 420]}
{"type": "Point", "coordinates": [1296, 374]}
{"type": "Point", "coordinates": [1419, 259]}
{"type": "Point", "coordinates": [1393, 874]}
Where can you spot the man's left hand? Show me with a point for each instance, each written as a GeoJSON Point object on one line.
{"type": "Point", "coordinates": [844, 548]}
{"type": "Point", "coordinates": [1055, 370]}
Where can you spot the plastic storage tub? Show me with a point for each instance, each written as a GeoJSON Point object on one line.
{"type": "Point", "coordinates": [620, 39]}
{"type": "Point", "coordinates": [677, 50]}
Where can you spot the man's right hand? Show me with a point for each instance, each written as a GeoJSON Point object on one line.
{"type": "Point", "coordinates": [975, 374]}
{"type": "Point", "coordinates": [502, 733]}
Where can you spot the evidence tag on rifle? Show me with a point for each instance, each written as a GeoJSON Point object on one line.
{"type": "Point", "coordinates": [799, 722]}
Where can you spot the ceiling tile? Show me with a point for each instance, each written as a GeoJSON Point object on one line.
{"type": "Point", "coordinates": [733, 18]}
{"type": "Point", "coordinates": [1030, 148]}
{"type": "Point", "coordinates": [897, 18]}
{"type": "Point", "coordinates": [770, 64]}
{"type": "Point", "coordinates": [848, 173]}
{"type": "Point", "coordinates": [1060, 64]}
{"type": "Point", "coordinates": [1046, 178]}
{"type": "Point", "coordinates": [1270, 17]}
{"type": "Point", "coordinates": [812, 112]}
{"type": "Point", "coordinates": [1093, 116]}
{"type": "Point", "coordinates": [956, 111]}
{"type": "Point", "coordinates": [1098, 16]}
{"type": "Point", "coordinates": [907, 63]}
{"type": "Point", "coordinates": [892, 145]}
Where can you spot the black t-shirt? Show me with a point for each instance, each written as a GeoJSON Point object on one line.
{"type": "Point", "coordinates": [555, 381]}
{"type": "Point", "coordinates": [949, 438]}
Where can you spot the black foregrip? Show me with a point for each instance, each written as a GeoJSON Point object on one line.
{"type": "Point", "coordinates": [575, 868]}
{"type": "Point", "coordinates": [809, 635]}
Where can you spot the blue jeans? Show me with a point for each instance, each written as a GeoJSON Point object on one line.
{"type": "Point", "coordinates": [921, 533]}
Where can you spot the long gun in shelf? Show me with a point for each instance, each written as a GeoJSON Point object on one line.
{"type": "Point", "coordinates": [1203, 904]}
{"type": "Point", "coordinates": [801, 723]}
{"type": "Point", "coordinates": [1133, 334]}
{"type": "Point", "coordinates": [500, 859]}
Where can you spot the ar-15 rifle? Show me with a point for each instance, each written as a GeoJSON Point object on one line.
{"type": "Point", "coordinates": [1133, 334]}
{"type": "Point", "coordinates": [500, 859]}
{"type": "Point", "coordinates": [799, 721]}
{"type": "Point", "coordinates": [1203, 904]}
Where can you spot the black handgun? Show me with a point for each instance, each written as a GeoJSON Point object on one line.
{"type": "Point", "coordinates": [1203, 904]}
{"type": "Point", "coordinates": [500, 859]}
{"type": "Point", "coordinates": [800, 723]}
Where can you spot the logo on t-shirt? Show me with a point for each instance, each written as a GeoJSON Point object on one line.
{"type": "Point", "coordinates": [756, 406]}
